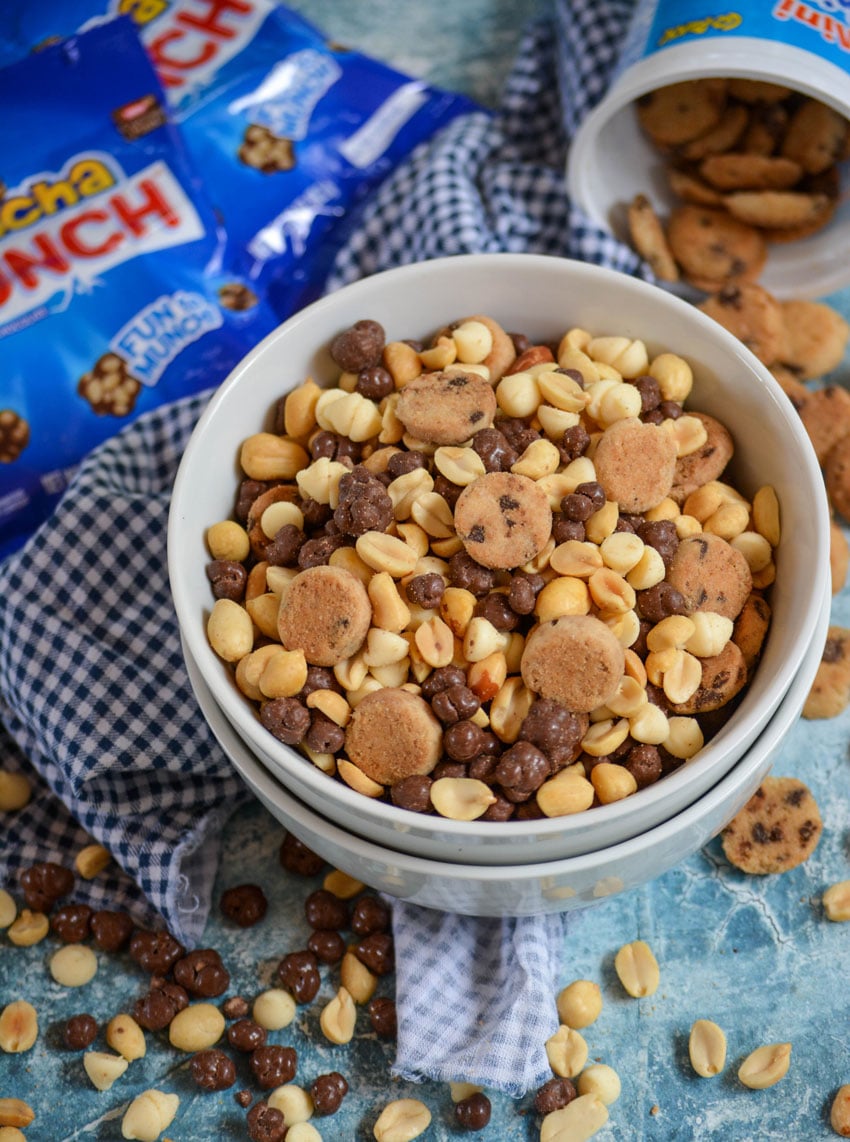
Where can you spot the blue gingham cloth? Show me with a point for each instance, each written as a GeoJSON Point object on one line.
{"type": "Point", "coordinates": [95, 704]}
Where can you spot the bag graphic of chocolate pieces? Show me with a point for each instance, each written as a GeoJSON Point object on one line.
{"type": "Point", "coordinates": [115, 292]}
{"type": "Point", "coordinates": [289, 130]}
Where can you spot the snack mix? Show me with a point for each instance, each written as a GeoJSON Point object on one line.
{"type": "Point", "coordinates": [517, 563]}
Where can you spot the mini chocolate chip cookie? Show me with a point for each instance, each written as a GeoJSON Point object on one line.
{"type": "Point", "coordinates": [711, 575]}
{"type": "Point", "coordinates": [680, 112]}
{"type": "Point", "coordinates": [777, 829]}
{"type": "Point", "coordinates": [325, 612]}
{"type": "Point", "coordinates": [649, 239]}
{"type": "Point", "coordinates": [635, 464]}
{"type": "Point", "coordinates": [393, 734]}
{"type": "Point", "coordinates": [705, 464]}
{"type": "Point", "coordinates": [751, 627]}
{"type": "Point", "coordinates": [504, 520]}
{"type": "Point", "coordinates": [830, 692]}
{"type": "Point", "coordinates": [575, 660]}
{"type": "Point", "coordinates": [751, 314]}
{"type": "Point", "coordinates": [724, 675]}
{"type": "Point", "coordinates": [710, 246]}
{"type": "Point", "coordinates": [814, 338]}
{"type": "Point", "coordinates": [446, 408]}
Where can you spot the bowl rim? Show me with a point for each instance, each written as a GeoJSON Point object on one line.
{"type": "Point", "coordinates": [242, 714]}
{"type": "Point", "coordinates": [688, 818]}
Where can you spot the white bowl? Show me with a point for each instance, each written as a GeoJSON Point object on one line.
{"type": "Point", "coordinates": [540, 296]}
{"type": "Point", "coordinates": [524, 889]}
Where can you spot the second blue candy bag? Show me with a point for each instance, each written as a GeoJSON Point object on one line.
{"type": "Point", "coordinates": [288, 131]}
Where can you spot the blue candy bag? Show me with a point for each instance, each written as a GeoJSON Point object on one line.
{"type": "Point", "coordinates": [115, 292]}
{"type": "Point", "coordinates": [289, 130]}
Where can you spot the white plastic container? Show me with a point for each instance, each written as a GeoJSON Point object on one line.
{"type": "Point", "coordinates": [802, 45]}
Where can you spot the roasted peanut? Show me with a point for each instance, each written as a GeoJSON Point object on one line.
{"type": "Point", "coordinates": [707, 1048]}
{"type": "Point", "coordinates": [637, 969]}
{"type": "Point", "coordinates": [765, 1066]}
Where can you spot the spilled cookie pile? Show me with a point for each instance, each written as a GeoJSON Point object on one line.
{"type": "Point", "coordinates": [755, 163]}
{"type": "Point", "coordinates": [752, 164]}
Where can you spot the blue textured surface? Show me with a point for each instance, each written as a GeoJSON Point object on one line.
{"type": "Point", "coordinates": [754, 954]}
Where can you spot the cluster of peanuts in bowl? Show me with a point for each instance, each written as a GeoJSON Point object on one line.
{"type": "Point", "coordinates": [492, 579]}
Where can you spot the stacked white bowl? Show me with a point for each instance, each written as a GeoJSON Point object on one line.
{"type": "Point", "coordinates": [377, 841]}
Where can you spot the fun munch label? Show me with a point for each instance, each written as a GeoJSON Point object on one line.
{"type": "Point", "coordinates": [157, 335]}
{"type": "Point", "coordinates": [819, 26]}
{"type": "Point", "coordinates": [288, 95]}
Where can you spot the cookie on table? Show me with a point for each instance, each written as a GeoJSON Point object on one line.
{"type": "Point", "coordinates": [777, 829]}
{"type": "Point", "coordinates": [839, 556]}
{"type": "Point", "coordinates": [795, 390]}
{"type": "Point", "coordinates": [830, 692]}
{"type": "Point", "coordinates": [836, 474]}
{"type": "Point", "coordinates": [826, 418]}
{"type": "Point", "coordinates": [751, 314]}
{"type": "Point", "coordinates": [814, 337]}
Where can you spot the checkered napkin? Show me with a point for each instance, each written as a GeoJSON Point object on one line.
{"type": "Point", "coordinates": [94, 700]}
{"type": "Point", "coordinates": [94, 692]}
